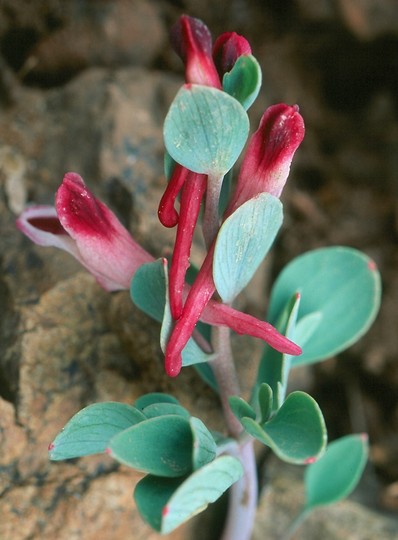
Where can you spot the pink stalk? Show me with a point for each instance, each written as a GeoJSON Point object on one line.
{"type": "Point", "coordinates": [191, 198]}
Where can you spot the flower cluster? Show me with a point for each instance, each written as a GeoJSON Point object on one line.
{"type": "Point", "coordinates": [86, 228]}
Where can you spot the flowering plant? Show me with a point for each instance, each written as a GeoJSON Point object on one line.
{"type": "Point", "coordinates": [321, 303]}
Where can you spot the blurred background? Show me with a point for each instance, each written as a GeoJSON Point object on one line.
{"type": "Point", "coordinates": [84, 86]}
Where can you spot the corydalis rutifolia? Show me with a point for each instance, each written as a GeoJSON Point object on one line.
{"type": "Point", "coordinates": [310, 313]}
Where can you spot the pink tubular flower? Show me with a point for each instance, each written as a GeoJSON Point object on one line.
{"type": "Point", "coordinates": [227, 48]}
{"type": "Point", "coordinates": [265, 168]}
{"type": "Point", "coordinates": [87, 229]}
{"type": "Point", "coordinates": [192, 41]}
{"type": "Point", "coordinates": [269, 154]}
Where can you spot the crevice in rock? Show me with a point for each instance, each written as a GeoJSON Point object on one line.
{"type": "Point", "coordinates": [9, 358]}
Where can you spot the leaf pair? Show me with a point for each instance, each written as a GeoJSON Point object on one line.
{"type": "Point", "coordinates": [159, 437]}
{"type": "Point", "coordinates": [296, 432]}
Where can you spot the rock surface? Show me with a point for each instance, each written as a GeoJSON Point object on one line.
{"type": "Point", "coordinates": [65, 343]}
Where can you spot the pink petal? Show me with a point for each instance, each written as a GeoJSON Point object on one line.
{"type": "Point", "coordinates": [41, 225]}
{"type": "Point", "coordinates": [191, 198]}
{"type": "Point", "coordinates": [192, 41]}
{"type": "Point", "coordinates": [167, 213]}
{"type": "Point", "coordinates": [105, 247]}
{"type": "Point", "coordinates": [222, 315]}
{"type": "Point", "coordinates": [267, 161]}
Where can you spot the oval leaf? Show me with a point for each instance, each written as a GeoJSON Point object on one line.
{"type": "Point", "coordinates": [154, 397]}
{"type": "Point", "coordinates": [243, 82]}
{"type": "Point", "coordinates": [338, 472]}
{"type": "Point", "coordinates": [265, 402]}
{"type": "Point", "coordinates": [204, 446]}
{"type": "Point", "coordinates": [297, 432]}
{"type": "Point", "coordinates": [148, 289]}
{"type": "Point", "coordinates": [241, 408]}
{"type": "Point", "coordinates": [166, 503]}
{"type": "Point", "coordinates": [242, 243]}
{"type": "Point", "coordinates": [161, 409]}
{"type": "Point", "coordinates": [205, 130]}
{"type": "Point", "coordinates": [341, 286]}
{"type": "Point", "coordinates": [161, 446]}
{"type": "Point", "coordinates": [91, 429]}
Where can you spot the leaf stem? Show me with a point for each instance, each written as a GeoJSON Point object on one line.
{"type": "Point", "coordinates": [211, 220]}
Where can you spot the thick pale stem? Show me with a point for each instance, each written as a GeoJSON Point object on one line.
{"type": "Point", "coordinates": [242, 497]}
{"type": "Point", "coordinates": [211, 220]}
{"type": "Point", "coordinates": [243, 494]}
{"type": "Point", "coordinates": [225, 373]}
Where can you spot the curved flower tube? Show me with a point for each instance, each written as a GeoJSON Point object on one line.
{"type": "Point", "coordinates": [87, 229]}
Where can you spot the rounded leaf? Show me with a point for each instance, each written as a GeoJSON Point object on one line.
{"type": "Point", "coordinates": [205, 129]}
{"type": "Point", "coordinates": [162, 409]}
{"type": "Point", "coordinates": [296, 433]}
{"type": "Point", "coordinates": [154, 397]}
{"type": "Point", "coordinates": [166, 503]}
{"type": "Point", "coordinates": [162, 446]}
{"type": "Point", "coordinates": [204, 446]}
{"type": "Point", "coordinates": [337, 473]}
{"type": "Point", "coordinates": [243, 82]}
{"type": "Point", "coordinates": [242, 243]}
{"type": "Point", "coordinates": [341, 287]}
{"type": "Point", "coordinates": [91, 429]}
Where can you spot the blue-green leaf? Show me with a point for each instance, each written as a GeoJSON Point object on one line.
{"type": "Point", "coordinates": [296, 433]}
{"type": "Point", "coordinates": [166, 503]}
{"type": "Point", "coordinates": [241, 408]}
{"type": "Point", "coordinates": [243, 82]}
{"type": "Point", "coordinates": [205, 130]}
{"type": "Point", "coordinates": [265, 402]}
{"type": "Point", "coordinates": [242, 243]}
{"type": "Point", "coordinates": [204, 446]}
{"type": "Point", "coordinates": [91, 429]}
{"type": "Point", "coordinates": [148, 289]}
{"type": "Point", "coordinates": [336, 474]}
{"type": "Point", "coordinates": [161, 446]}
{"type": "Point", "coordinates": [161, 409]}
{"type": "Point", "coordinates": [274, 366]}
{"type": "Point", "coordinates": [154, 397]}
{"type": "Point", "coordinates": [340, 289]}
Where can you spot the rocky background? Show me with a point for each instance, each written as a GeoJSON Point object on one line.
{"type": "Point", "coordinates": [85, 85]}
